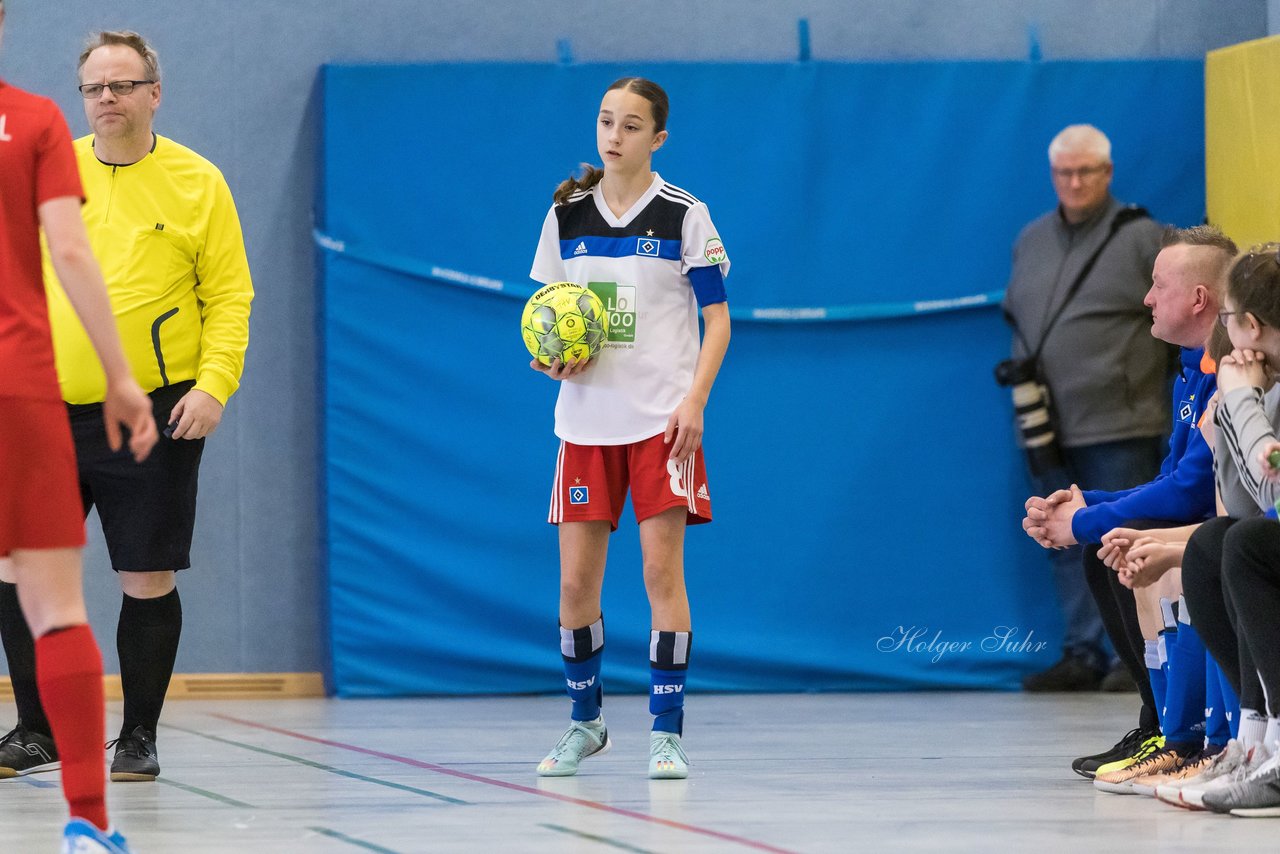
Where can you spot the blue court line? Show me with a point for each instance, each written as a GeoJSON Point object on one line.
{"type": "Point", "coordinates": [39, 784]}
{"type": "Point", "coordinates": [205, 793]}
{"type": "Point", "coordinates": [359, 843]}
{"type": "Point", "coordinates": [604, 840]}
{"type": "Point", "coordinates": [322, 767]}
{"type": "Point", "coordinates": [405, 265]}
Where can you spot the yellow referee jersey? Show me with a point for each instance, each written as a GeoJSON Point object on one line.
{"type": "Point", "coordinates": [166, 234]}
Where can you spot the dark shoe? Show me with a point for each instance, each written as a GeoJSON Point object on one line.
{"type": "Point", "coordinates": [1071, 673]}
{"type": "Point", "coordinates": [136, 759]}
{"type": "Point", "coordinates": [1118, 681]}
{"type": "Point", "coordinates": [1129, 745]}
{"type": "Point", "coordinates": [24, 752]}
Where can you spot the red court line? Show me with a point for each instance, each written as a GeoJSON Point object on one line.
{"type": "Point", "coordinates": [476, 778]}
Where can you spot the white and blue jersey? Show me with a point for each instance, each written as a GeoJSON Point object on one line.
{"type": "Point", "coordinates": [652, 268]}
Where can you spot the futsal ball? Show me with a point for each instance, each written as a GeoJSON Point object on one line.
{"type": "Point", "coordinates": [564, 321]}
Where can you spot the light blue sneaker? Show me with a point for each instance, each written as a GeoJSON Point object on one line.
{"type": "Point", "coordinates": [582, 739]}
{"type": "Point", "coordinates": [81, 837]}
{"type": "Point", "coordinates": [666, 757]}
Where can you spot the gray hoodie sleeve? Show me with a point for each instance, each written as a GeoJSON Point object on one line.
{"type": "Point", "coordinates": [1247, 420]}
{"type": "Point", "coordinates": [1238, 501]}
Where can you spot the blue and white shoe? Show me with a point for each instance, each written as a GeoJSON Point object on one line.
{"type": "Point", "coordinates": [81, 837]}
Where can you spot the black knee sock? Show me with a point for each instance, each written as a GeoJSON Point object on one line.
{"type": "Point", "coordinates": [20, 650]}
{"type": "Point", "coordinates": [1132, 655]}
{"type": "Point", "coordinates": [147, 641]}
{"type": "Point", "coordinates": [1202, 587]}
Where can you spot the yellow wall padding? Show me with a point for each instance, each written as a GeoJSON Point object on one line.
{"type": "Point", "coordinates": [1242, 140]}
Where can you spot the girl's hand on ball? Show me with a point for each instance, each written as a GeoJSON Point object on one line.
{"type": "Point", "coordinates": [558, 370]}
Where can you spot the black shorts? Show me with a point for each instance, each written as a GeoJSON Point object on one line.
{"type": "Point", "coordinates": [148, 509]}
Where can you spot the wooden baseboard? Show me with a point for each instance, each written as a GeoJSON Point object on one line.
{"type": "Point", "coordinates": [219, 686]}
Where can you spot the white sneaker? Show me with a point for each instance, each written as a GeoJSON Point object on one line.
{"type": "Point", "coordinates": [81, 837]}
{"type": "Point", "coordinates": [1257, 796]}
{"type": "Point", "coordinates": [1226, 761]}
{"type": "Point", "coordinates": [580, 740]}
{"type": "Point", "coordinates": [1193, 795]}
{"type": "Point", "coordinates": [667, 760]}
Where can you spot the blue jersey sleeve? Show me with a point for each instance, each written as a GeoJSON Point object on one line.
{"type": "Point", "coordinates": [1182, 496]}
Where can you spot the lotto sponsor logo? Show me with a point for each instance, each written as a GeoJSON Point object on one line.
{"type": "Point", "coordinates": [620, 304]}
{"type": "Point", "coordinates": [580, 686]}
{"type": "Point", "coordinates": [714, 252]}
{"type": "Point", "coordinates": [668, 689]}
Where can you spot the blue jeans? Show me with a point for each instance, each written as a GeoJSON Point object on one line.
{"type": "Point", "coordinates": [1110, 466]}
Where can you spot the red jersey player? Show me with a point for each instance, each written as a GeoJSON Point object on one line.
{"type": "Point", "coordinates": [41, 525]}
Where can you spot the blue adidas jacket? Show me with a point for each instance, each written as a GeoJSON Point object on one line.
{"type": "Point", "coordinates": [1183, 491]}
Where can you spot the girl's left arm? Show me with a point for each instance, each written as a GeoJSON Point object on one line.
{"type": "Point", "coordinates": [685, 424]}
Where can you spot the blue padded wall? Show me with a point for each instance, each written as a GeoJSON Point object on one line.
{"type": "Point", "coordinates": [862, 473]}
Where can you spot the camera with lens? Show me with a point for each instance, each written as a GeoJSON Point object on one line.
{"type": "Point", "coordinates": [1031, 406]}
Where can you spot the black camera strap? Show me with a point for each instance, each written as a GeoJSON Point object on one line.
{"type": "Point", "coordinates": [1126, 214]}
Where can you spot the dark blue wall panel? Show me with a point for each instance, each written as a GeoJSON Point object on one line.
{"type": "Point", "coordinates": [862, 473]}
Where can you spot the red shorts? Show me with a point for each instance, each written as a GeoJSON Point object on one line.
{"type": "Point", "coordinates": [592, 480]}
{"type": "Point", "coordinates": [39, 487]}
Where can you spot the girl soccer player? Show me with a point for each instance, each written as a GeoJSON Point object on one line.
{"type": "Point", "coordinates": [634, 420]}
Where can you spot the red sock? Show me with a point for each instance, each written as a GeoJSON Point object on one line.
{"type": "Point", "coordinates": [69, 673]}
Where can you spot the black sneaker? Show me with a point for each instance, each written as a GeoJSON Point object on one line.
{"type": "Point", "coordinates": [1118, 681]}
{"type": "Point", "coordinates": [25, 752]}
{"type": "Point", "coordinates": [1087, 766]}
{"type": "Point", "coordinates": [136, 760]}
{"type": "Point", "coordinates": [1072, 673]}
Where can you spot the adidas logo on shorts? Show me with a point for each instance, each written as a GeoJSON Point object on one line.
{"type": "Point", "coordinates": [703, 494]}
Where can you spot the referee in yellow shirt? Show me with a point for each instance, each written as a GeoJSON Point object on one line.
{"type": "Point", "coordinates": [164, 228]}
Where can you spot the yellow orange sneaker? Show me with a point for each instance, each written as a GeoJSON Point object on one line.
{"type": "Point", "coordinates": [1195, 764]}
{"type": "Point", "coordinates": [1120, 781]}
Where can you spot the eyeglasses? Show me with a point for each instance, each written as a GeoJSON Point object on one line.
{"type": "Point", "coordinates": [1084, 173]}
{"type": "Point", "coordinates": [1223, 315]}
{"type": "Point", "coordinates": [118, 87]}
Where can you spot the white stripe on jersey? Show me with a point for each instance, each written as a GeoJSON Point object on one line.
{"type": "Point", "coordinates": [676, 193]}
{"type": "Point", "coordinates": [556, 513]}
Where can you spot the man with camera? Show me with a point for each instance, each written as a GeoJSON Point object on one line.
{"type": "Point", "coordinates": [1089, 381]}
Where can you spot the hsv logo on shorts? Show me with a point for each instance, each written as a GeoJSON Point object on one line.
{"type": "Point", "coordinates": [578, 495]}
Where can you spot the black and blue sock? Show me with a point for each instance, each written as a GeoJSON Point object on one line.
{"type": "Point", "coordinates": [668, 666]}
{"type": "Point", "coordinates": [583, 650]}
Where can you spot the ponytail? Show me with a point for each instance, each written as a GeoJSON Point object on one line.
{"type": "Point", "coordinates": [591, 176]}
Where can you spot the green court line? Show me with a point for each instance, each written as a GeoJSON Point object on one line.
{"type": "Point", "coordinates": [359, 843]}
{"type": "Point", "coordinates": [321, 766]}
{"type": "Point", "coordinates": [604, 840]}
{"type": "Point", "coordinates": [213, 796]}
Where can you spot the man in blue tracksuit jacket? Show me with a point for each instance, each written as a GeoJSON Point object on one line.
{"type": "Point", "coordinates": [1185, 298]}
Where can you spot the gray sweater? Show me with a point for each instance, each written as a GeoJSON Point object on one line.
{"type": "Point", "coordinates": [1106, 373]}
{"type": "Point", "coordinates": [1246, 420]}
